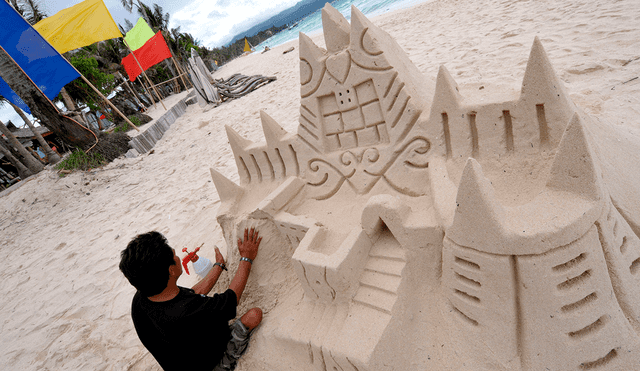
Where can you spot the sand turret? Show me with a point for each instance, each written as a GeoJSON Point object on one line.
{"type": "Point", "coordinates": [402, 206]}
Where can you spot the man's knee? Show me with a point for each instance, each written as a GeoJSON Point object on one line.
{"type": "Point", "coordinates": [252, 318]}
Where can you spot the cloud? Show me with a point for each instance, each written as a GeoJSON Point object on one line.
{"type": "Point", "coordinates": [230, 16]}
{"type": "Point", "coordinates": [216, 15]}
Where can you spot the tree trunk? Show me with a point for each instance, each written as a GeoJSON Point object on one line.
{"type": "Point", "coordinates": [23, 172]}
{"type": "Point", "coordinates": [133, 93]}
{"type": "Point", "coordinates": [71, 106]}
{"type": "Point", "coordinates": [169, 66]}
{"type": "Point", "coordinates": [26, 157]}
{"type": "Point", "coordinates": [52, 157]}
{"type": "Point", "coordinates": [68, 102]}
{"type": "Point", "coordinates": [64, 128]}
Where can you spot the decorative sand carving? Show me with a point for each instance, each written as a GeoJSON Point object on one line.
{"type": "Point", "coordinates": [434, 232]}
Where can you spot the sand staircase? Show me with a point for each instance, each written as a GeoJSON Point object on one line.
{"type": "Point", "coordinates": [381, 278]}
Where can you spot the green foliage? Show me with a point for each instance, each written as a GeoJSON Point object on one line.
{"type": "Point", "coordinates": [79, 160]}
{"type": "Point", "coordinates": [79, 90]}
{"type": "Point", "coordinates": [97, 61]}
{"type": "Point", "coordinates": [124, 127]}
{"type": "Point", "coordinates": [135, 120]}
{"type": "Point", "coordinates": [159, 74]}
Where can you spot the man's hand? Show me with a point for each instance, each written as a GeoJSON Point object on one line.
{"type": "Point", "coordinates": [219, 257]}
{"type": "Point", "coordinates": [249, 248]}
{"type": "Point", "coordinates": [206, 284]}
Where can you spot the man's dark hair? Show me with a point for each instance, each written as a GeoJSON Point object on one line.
{"type": "Point", "coordinates": [145, 262]}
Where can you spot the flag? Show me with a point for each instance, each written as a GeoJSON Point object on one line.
{"type": "Point", "coordinates": [80, 25]}
{"type": "Point", "coordinates": [138, 35]}
{"type": "Point", "coordinates": [39, 60]}
{"type": "Point", "coordinates": [14, 98]}
{"type": "Point", "coordinates": [151, 53]}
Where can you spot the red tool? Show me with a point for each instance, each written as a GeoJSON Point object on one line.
{"type": "Point", "coordinates": [191, 256]}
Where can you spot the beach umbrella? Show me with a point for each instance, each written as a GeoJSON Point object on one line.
{"type": "Point", "coordinates": [247, 46]}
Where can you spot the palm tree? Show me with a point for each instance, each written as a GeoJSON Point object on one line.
{"type": "Point", "coordinates": [158, 21]}
{"type": "Point", "coordinates": [155, 17]}
{"type": "Point", "coordinates": [19, 151]}
{"type": "Point", "coordinates": [52, 157]}
{"type": "Point", "coordinates": [23, 172]}
{"type": "Point", "coordinates": [31, 11]}
{"type": "Point", "coordinates": [129, 4]}
{"type": "Point", "coordinates": [67, 130]}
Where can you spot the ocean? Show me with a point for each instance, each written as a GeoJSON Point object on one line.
{"type": "Point", "coordinates": [313, 22]}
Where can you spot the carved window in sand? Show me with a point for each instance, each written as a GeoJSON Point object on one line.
{"type": "Point", "coordinates": [352, 117]}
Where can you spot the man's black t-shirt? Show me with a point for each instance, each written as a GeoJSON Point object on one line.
{"type": "Point", "coordinates": [188, 332]}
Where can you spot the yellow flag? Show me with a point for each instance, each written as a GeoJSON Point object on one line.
{"type": "Point", "coordinates": [80, 25]}
{"type": "Point", "coordinates": [139, 34]}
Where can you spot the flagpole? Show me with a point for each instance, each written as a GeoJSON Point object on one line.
{"type": "Point", "coordinates": [107, 100]}
{"type": "Point", "coordinates": [135, 96]}
{"type": "Point", "coordinates": [98, 91]}
{"type": "Point", "coordinates": [184, 72]}
{"type": "Point", "coordinates": [144, 73]}
{"type": "Point", "coordinates": [103, 97]}
{"type": "Point", "coordinates": [87, 81]}
{"type": "Point", "coordinates": [180, 72]}
{"type": "Point", "coordinates": [145, 87]}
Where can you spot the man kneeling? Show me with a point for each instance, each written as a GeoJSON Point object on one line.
{"type": "Point", "coordinates": [183, 328]}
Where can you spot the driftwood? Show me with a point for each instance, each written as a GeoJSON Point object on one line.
{"type": "Point", "coordinates": [238, 85]}
{"type": "Point", "coordinates": [216, 91]}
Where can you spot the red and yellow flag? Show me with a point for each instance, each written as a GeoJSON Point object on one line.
{"type": "Point", "coordinates": [151, 53]}
{"type": "Point", "coordinates": [138, 35]}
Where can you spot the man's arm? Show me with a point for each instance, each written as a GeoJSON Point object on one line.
{"type": "Point", "coordinates": [206, 284]}
{"type": "Point", "coordinates": [248, 249]}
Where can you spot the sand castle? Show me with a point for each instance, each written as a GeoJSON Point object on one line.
{"type": "Point", "coordinates": [428, 231]}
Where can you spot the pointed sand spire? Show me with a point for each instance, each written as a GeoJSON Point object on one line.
{"type": "Point", "coordinates": [227, 190]}
{"type": "Point", "coordinates": [478, 216]}
{"type": "Point", "coordinates": [446, 89]}
{"type": "Point", "coordinates": [359, 23]}
{"type": "Point", "coordinates": [309, 50]}
{"type": "Point", "coordinates": [540, 80]}
{"type": "Point", "coordinates": [312, 67]}
{"type": "Point", "coordinates": [573, 169]}
{"type": "Point", "coordinates": [336, 29]}
{"type": "Point", "coordinates": [236, 141]}
{"type": "Point", "coordinates": [273, 132]}
{"type": "Point", "coordinates": [361, 20]}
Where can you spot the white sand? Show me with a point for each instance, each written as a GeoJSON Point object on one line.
{"type": "Point", "coordinates": [64, 303]}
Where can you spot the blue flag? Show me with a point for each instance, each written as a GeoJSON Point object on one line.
{"type": "Point", "coordinates": [14, 98]}
{"type": "Point", "coordinates": [39, 60]}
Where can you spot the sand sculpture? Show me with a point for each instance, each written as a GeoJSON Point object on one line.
{"type": "Point", "coordinates": [428, 231]}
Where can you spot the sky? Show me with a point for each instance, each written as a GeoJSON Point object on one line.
{"type": "Point", "coordinates": [212, 22]}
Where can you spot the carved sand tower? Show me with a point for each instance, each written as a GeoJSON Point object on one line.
{"type": "Point", "coordinates": [420, 230]}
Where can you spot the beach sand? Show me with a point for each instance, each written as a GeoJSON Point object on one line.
{"type": "Point", "coordinates": [65, 305]}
